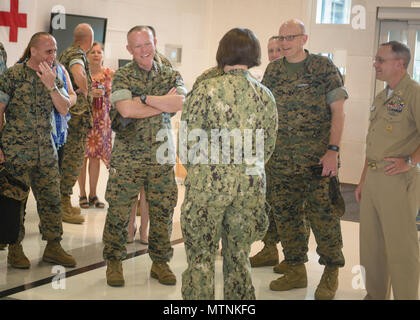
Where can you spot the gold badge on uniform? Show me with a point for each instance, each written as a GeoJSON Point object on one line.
{"type": "Point", "coordinates": [389, 127]}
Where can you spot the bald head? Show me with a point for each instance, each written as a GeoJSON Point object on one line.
{"type": "Point", "coordinates": [82, 31]}
{"type": "Point", "coordinates": [83, 36]}
{"type": "Point", "coordinates": [296, 24]}
{"type": "Point", "coordinates": [292, 38]}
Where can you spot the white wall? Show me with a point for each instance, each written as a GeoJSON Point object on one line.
{"type": "Point", "coordinates": [180, 22]}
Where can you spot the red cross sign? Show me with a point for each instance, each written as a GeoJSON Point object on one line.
{"type": "Point", "coordinates": [13, 19]}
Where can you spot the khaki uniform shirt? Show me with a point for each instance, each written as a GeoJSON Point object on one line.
{"type": "Point", "coordinates": [138, 138]}
{"type": "Point", "coordinates": [394, 129]}
{"type": "Point", "coordinates": [303, 101]}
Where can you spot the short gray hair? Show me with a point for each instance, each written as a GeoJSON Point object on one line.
{"type": "Point", "coordinates": [140, 28]}
{"type": "Point", "coordinates": [400, 50]}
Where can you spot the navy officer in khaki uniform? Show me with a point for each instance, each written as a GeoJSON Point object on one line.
{"type": "Point", "coordinates": [387, 192]}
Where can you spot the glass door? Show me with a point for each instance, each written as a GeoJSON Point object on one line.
{"type": "Point", "coordinates": [416, 57]}
{"type": "Point", "coordinates": [407, 32]}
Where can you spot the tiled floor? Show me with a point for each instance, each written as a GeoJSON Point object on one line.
{"type": "Point", "coordinates": [87, 280]}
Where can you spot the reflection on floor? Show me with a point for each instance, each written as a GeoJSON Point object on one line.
{"type": "Point", "coordinates": [87, 280]}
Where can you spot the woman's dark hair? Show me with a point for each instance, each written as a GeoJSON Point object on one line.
{"type": "Point", "coordinates": [239, 46]}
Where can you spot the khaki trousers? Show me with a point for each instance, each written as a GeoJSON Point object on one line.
{"type": "Point", "coordinates": [389, 244]}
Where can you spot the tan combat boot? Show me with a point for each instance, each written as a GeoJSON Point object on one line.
{"type": "Point", "coordinates": [268, 256]}
{"type": "Point", "coordinates": [114, 273]}
{"type": "Point", "coordinates": [54, 253]}
{"type": "Point", "coordinates": [162, 272]}
{"type": "Point", "coordinates": [70, 214]}
{"type": "Point", "coordinates": [65, 200]}
{"type": "Point", "coordinates": [281, 267]}
{"type": "Point", "coordinates": [16, 258]}
{"type": "Point", "coordinates": [294, 277]}
{"type": "Point", "coordinates": [328, 284]}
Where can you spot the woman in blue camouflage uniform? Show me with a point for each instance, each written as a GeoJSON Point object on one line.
{"type": "Point", "coordinates": [225, 195]}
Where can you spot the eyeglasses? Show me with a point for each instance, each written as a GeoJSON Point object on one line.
{"type": "Point", "coordinates": [290, 37]}
{"type": "Point", "coordinates": [381, 61]}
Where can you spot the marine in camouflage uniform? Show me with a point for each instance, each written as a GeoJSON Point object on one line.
{"type": "Point", "coordinates": [30, 153]}
{"type": "Point", "coordinates": [135, 163]}
{"type": "Point", "coordinates": [298, 195]}
{"type": "Point", "coordinates": [223, 200]}
{"type": "Point", "coordinates": [78, 128]}
{"type": "Point", "coordinates": [27, 145]}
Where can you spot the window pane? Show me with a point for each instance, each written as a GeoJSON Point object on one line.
{"type": "Point", "coordinates": [416, 73]}
{"type": "Point", "coordinates": [333, 11]}
{"type": "Point", "coordinates": [398, 35]}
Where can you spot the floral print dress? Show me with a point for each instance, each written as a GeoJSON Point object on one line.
{"type": "Point", "coordinates": [99, 144]}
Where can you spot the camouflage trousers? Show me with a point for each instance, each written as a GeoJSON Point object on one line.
{"type": "Point", "coordinates": [44, 181]}
{"type": "Point", "coordinates": [302, 202]}
{"type": "Point", "coordinates": [124, 183]}
{"type": "Point", "coordinates": [74, 152]}
{"type": "Point", "coordinates": [271, 238]}
{"type": "Point", "coordinates": [238, 220]}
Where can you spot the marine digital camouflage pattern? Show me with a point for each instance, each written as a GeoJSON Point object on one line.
{"type": "Point", "coordinates": [303, 101]}
{"type": "Point", "coordinates": [161, 59]}
{"type": "Point", "coordinates": [124, 183]}
{"type": "Point", "coordinates": [133, 163]}
{"type": "Point", "coordinates": [222, 200]}
{"type": "Point", "coordinates": [139, 135]}
{"type": "Point", "coordinates": [79, 124]}
{"type": "Point", "coordinates": [303, 107]}
{"type": "Point", "coordinates": [27, 144]}
{"type": "Point", "coordinates": [73, 55]}
{"type": "Point", "coordinates": [306, 202]}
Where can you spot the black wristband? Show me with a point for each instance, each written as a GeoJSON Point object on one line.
{"type": "Point", "coordinates": [333, 147]}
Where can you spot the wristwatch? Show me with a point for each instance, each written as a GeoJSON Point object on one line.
{"type": "Point", "coordinates": [410, 163]}
{"type": "Point", "coordinates": [143, 98]}
{"type": "Point", "coordinates": [333, 147]}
